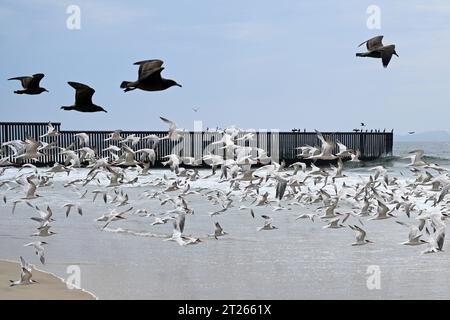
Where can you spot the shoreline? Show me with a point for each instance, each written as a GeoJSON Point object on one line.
{"type": "Point", "coordinates": [49, 286]}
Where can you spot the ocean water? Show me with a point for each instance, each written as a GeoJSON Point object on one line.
{"type": "Point", "coordinates": [438, 152]}
{"type": "Point", "coordinates": [299, 260]}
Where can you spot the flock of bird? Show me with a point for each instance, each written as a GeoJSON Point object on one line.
{"type": "Point", "coordinates": [268, 185]}
{"type": "Point", "coordinates": [247, 175]}
{"type": "Point", "coordinates": [150, 79]}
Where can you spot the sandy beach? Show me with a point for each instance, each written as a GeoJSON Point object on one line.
{"type": "Point", "coordinates": [48, 287]}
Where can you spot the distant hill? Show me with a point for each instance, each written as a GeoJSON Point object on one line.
{"type": "Point", "coordinates": [438, 136]}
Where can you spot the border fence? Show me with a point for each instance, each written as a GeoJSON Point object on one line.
{"type": "Point", "coordinates": [278, 145]}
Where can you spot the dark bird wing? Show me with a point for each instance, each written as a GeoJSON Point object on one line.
{"type": "Point", "coordinates": [347, 215]}
{"type": "Point", "coordinates": [149, 69]}
{"type": "Point", "coordinates": [443, 193]}
{"type": "Point", "coordinates": [440, 239]}
{"type": "Point", "coordinates": [386, 54]}
{"type": "Point", "coordinates": [24, 264]}
{"type": "Point", "coordinates": [24, 80]}
{"type": "Point", "coordinates": [42, 257]}
{"type": "Point", "coordinates": [34, 82]}
{"type": "Point", "coordinates": [218, 228]}
{"type": "Point", "coordinates": [280, 189]}
{"type": "Point", "coordinates": [373, 43]}
{"type": "Point", "coordinates": [181, 222]}
{"type": "Point", "coordinates": [83, 94]}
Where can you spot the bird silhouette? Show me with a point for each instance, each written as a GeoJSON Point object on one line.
{"type": "Point", "coordinates": [83, 99]}
{"type": "Point", "coordinates": [376, 49]}
{"type": "Point", "coordinates": [149, 77]}
{"type": "Point", "coordinates": [30, 84]}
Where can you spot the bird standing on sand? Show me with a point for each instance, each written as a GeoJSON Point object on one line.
{"type": "Point", "coordinates": [30, 84]}
{"type": "Point", "coordinates": [83, 99]}
{"type": "Point", "coordinates": [376, 49]}
{"type": "Point", "coordinates": [149, 77]}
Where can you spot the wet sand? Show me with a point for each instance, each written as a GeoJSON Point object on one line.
{"type": "Point", "coordinates": [49, 287]}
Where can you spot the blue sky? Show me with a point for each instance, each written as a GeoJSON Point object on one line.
{"type": "Point", "coordinates": [253, 64]}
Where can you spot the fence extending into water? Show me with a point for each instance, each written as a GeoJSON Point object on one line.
{"type": "Point", "coordinates": [278, 145]}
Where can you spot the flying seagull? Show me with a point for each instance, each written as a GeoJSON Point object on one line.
{"type": "Point", "coordinates": [38, 248]}
{"type": "Point", "coordinates": [83, 99]}
{"type": "Point", "coordinates": [30, 84]}
{"type": "Point", "coordinates": [149, 77]}
{"type": "Point", "coordinates": [414, 235]}
{"type": "Point", "coordinates": [267, 224]}
{"type": "Point", "coordinates": [218, 231]}
{"type": "Point", "coordinates": [437, 241]}
{"type": "Point", "coordinates": [174, 132]}
{"type": "Point", "coordinates": [69, 206]}
{"type": "Point", "coordinates": [376, 49]}
{"type": "Point", "coordinates": [360, 236]}
{"type": "Point", "coordinates": [25, 274]}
